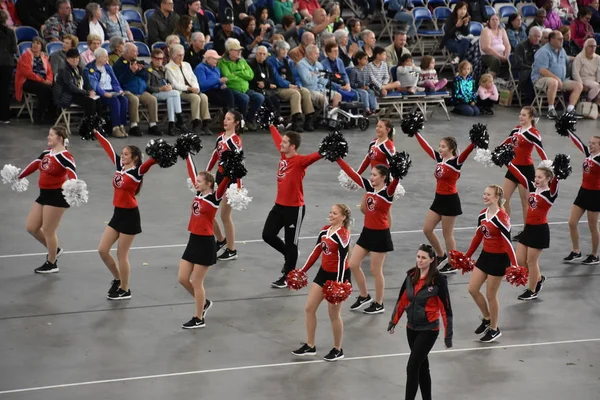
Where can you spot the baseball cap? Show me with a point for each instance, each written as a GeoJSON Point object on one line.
{"type": "Point", "coordinates": [233, 44]}
{"type": "Point", "coordinates": [212, 53]}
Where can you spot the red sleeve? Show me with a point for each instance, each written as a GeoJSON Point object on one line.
{"type": "Point", "coordinates": [579, 144]}
{"type": "Point", "coordinates": [107, 148]}
{"type": "Point", "coordinates": [145, 167]}
{"type": "Point", "coordinates": [517, 174]}
{"type": "Point", "coordinates": [391, 188]}
{"type": "Point", "coordinates": [465, 153]}
{"type": "Point", "coordinates": [27, 70]}
{"type": "Point", "coordinates": [191, 168]}
{"type": "Point", "coordinates": [314, 256]}
{"type": "Point", "coordinates": [475, 242]}
{"type": "Point", "coordinates": [540, 151]}
{"type": "Point", "coordinates": [213, 160]}
{"type": "Point", "coordinates": [507, 140]}
{"type": "Point", "coordinates": [222, 188]}
{"type": "Point", "coordinates": [32, 167]}
{"type": "Point", "coordinates": [351, 173]}
{"type": "Point", "coordinates": [276, 137]}
{"type": "Point", "coordinates": [428, 149]}
{"type": "Point", "coordinates": [364, 165]}
{"type": "Point", "coordinates": [554, 187]}
{"type": "Point", "coordinates": [310, 159]}
{"type": "Point", "coordinates": [401, 304]}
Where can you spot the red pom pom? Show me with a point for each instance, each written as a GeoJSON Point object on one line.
{"type": "Point", "coordinates": [460, 261]}
{"type": "Point", "coordinates": [296, 279]}
{"type": "Point", "coordinates": [517, 275]}
{"type": "Point", "coordinates": [336, 292]}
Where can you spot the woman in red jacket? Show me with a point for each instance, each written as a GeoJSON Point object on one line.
{"type": "Point", "coordinates": [581, 29]}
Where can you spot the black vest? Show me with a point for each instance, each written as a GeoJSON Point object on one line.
{"type": "Point", "coordinates": [415, 312]}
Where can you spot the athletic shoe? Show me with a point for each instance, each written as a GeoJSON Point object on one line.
{"type": "Point", "coordinates": [552, 114]}
{"type": "Point", "coordinates": [305, 350]}
{"type": "Point", "coordinates": [441, 261]}
{"type": "Point", "coordinates": [491, 335]}
{"type": "Point", "coordinates": [540, 285]}
{"type": "Point", "coordinates": [485, 324]}
{"type": "Point", "coordinates": [207, 306]}
{"type": "Point", "coordinates": [114, 286]}
{"type": "Point", "coordinates": [194, 323]}
{"type": "Point", "coordinates": [280, 283]}
{"type": "Point", "coordinates": [221, 244]}
{"type": "Point", "coordinates": [228, 255]}
{"type": "Point", "coordinates": [573, 257]}
{"type": "Point", "coordinates": [120, 294]}
{"type": "Point", "coordinates": [591, 260]}
{"type": "Point", "coordinates": [334, 355]}
{"type": "Point", "coordinates": [447, 269]}
{"type": "Point", "coordinates": [517, 236]}
{"type": "Point", "coordinates": [528, 295]}
{"type": "Point", "coordinates": [374, 308]}
{"type": "Point", "coordinates": [360, 302]}
{"type": "Point", "coordinates": [59, 252]}
{"type": "Point", "coordinates": [47, 268]}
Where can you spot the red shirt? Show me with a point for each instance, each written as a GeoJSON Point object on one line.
{"type": "Point", "coordinates": [591, 165]}
{"type": "Point", "coordinates": [523, 142]}
{"type": "Point", "coordinates": [126, 181]}
{"type": "Point", "coordinates": [540, 201]}
{"type": "Point", "coordinates": [334, 249]}
{"type": "Point", "coordinates": [310, 5]}
{"type": "Point", "coordinates": [290, 174]}
{"type": "Point", "coordinates": [377, 204]}
{"type": "Point", "coordinates": [378, 153]}
{"type": "Point", "coordinates": [233, 143]}
{"type": "Point", "coordinates": [55, 169]}
{"type": "Point", "coordinates": [447, 171]}
{"type": "Point", "coordinates": [495, 233]}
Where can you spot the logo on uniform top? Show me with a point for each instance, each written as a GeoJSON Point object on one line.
{"type": "Point", "coordinates": [371, 154]}
{"type": "Point", "coordinates": [196, 207]}
{"type": "Point", "coordinates": [324, 247]}
{"type": "Point", "coordinates": [220, 148]}
{"type": "Point", "coordinates": [439, 171]}
{"type": "Point", "coordinates": [533, 202]}
{"type": "Point", "coordinates": [282, 169]}
{"type": "Point", "coordinates": [485, 232]}
{"type": "Point", "coordinates": [514, 140]}
{"type": "Point", "coordinates": [430, 289]}
{"type": "Point", "coordinates": [586, 166]}
{"type": "Point", "coordinates": [45, 162]}
{"type": "Point", "coordinates": [371, 203]}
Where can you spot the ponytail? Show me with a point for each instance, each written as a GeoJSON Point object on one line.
{"type": "Point", "coordinates": [390, 127]}
{"type": "Point", "coordinates": [346, 212]}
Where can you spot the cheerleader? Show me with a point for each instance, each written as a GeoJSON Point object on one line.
{"type": "Point", "coordinates": [446, 204]}
{"type": "Point", "coordinates": [228, 140]}
{"type": "Point", "coordinates": [587, 200]}
{"type": "Point", "coordinates": [423, 309]}
{"type": "Point", "coordinates": [125, 222]}
{"type": "Point", "coordinates": [333, 244]}
{"type": "Point", "coordinates": [56, 165]}
{"type": "Point", "coordinates": [523, 139]}
{"type": "Point", "coordinates": [493, 227]}
{"type": "Point", "coordinates": [201, 251]}
{"type": "Point", "coordinates": [375, 237]}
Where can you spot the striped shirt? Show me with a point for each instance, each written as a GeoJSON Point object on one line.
{"type": "Point", "coordinates": [379, 74]}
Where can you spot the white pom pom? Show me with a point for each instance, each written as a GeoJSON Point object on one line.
{"type": "Point", "coordinates": [400, 192]}
{"type": "Point", "coordinates": [346, 182]}
{"type": "Point", "coordinates": [545, 164]}
{"type": "Point", "coordinates": [10, 174]}
{"type": "Point", "coordinates": [237, 198]}
{"type": "Point", "coordinates": [484, 157]}
{"type": "Point", "coordinates": [191, 186]}
{"type": "Point", "coordinates": [75, 192]}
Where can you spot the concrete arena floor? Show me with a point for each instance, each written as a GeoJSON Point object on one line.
{"type": "Point", "coordinates": [61, 339]}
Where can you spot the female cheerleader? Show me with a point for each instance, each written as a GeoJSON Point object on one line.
{"type": "Point", "coordinates": [201, 250]}
{"type": "Point", "coordinates": [423, 309]}
{"type": "Point", "coordinates": [125, 222]}
{"type": "Point", "coordinates": [493, 227]}
{"type": "Point", "coordinates": [56, 165]}
{"type": "Point", "coordinates": [523, 138]}
{"type": "Point", "coordinates": [588, 199]}
{"type": "Point", "coordinates": [375, 237]}
{"type": "Point", "coordinates": [228, 140]}
{"type": "Point", "coordinates": [446, 205]}
{"type": "Point", "coordinates": [333, 244]}
{"type": "Point", "coordinates": [543, 192]}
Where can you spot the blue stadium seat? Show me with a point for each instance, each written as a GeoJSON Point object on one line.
{"type": "Point", "coordinates": [143, 50]}
{"type": "Point", "coordinates": [26, 33]}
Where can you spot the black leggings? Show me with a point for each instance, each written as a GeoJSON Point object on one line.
{"type": "Point", "coordinates": [289, 218]}
{"type": "Point", "coordinates": [221, 98]}
{"type": "Point", "coordinates": [44, 98]}
{"type": "Point", "coordinates": [417, 369]}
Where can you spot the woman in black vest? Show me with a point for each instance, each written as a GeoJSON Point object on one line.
{"type": "Point", "coordinates": [69, 87]}
{"type": "Point", "coordinates": [424, 296]}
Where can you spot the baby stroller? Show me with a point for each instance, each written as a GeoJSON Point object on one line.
{"type": "Point", "coordinates": [347, 115]}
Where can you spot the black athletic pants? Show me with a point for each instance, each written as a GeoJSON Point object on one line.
{"type": "Point", "coordinates": [89, 105]}
{"type": "Point", "coordinates": [221, 97]}
{"type": "Point", "coordinates": [417, 369]}
{"type": "Point", "coordinates": [44, 98]}
{"type": "Point", "coordinates": [289, 218]}
{"type": "Point", "coordinates": [5, 96]}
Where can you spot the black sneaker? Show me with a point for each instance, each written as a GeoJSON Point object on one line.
{"type": "Point", "coordinates": [194, 323]}
{"type": "Point", "coordinates": [552, 114]}
{"type": "Point", "coordinates": [528, 295]}
{"type": "Point", "coordinates": [573, 257]}
{"type": "Point", "coordinates": [447, 269]}
{"type": "Point", "coordinates": [485, 324]}
{"type": "Point", "coordinates": [517, 237]}
{"type": "Point", "coordinates": [305, 350]}
{"type": "Point", "coordinates": [374, 308]}
{"type": "Point", "coordinates": [360, 302]}
{"type": "Point", "coordinates": [540, 285]}
{"type": "Point", "coordinates": [154, 131]}
{"type": "Point", "coordinates": [135, 131]}
{"type": "Point", "coordinates": [280, 283]}
{"type": "Point", "coordinates": [47, 268]}
{"type": "Point", "coordinates": [221, 244]}
{"type": "Point", "coordinates": [334, 355]}
{"type": "Point", "coordinates": [59, 252]}
{"type": "Point", "coordinates": [228, 255]}
{"type": "Point", "coordinates": [120, 294]}
{"type": "Point", "coordinates": [207, 306]}
{"type": "Point", "coordinates": [441, 261]}
{"type": "Point", "coordinates": [114, 287]}
{"type": "Point", "coordinates": [591, 260]}
{"type": "Point", "coordinates": [491, 335]}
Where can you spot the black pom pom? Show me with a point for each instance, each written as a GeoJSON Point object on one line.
{"type": "Point", "coordinates": [566, 123]}
{"type": "Point", "coordinates": [188, 143]}
{"type": "Point", "coordinates": [479, 136]}
{"type": "Point", "coordinates": [413, 123]}
{"type": "Point", "coordinates": [89, 124]}
{"type": "Point", "coordinates": [233, 164]}
{"type": "Point", "coordinates": [503, 154]}
{"type": "Point", "coordinates": [265, 118]}
{"type": "Point", "coordinates": [400, 164]}
{"type": "Point", "coordinates": [562, 166]}
{"type": "Point", "coordinates": [333, 146]}
{"type": "Point", "coordinates": [164, 154]}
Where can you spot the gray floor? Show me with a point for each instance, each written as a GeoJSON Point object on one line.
{"type": "Point", "coordinates": [61, 339]}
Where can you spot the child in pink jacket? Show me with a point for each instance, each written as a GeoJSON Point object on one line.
{"type": "Point", "coordinates": [487, 94]}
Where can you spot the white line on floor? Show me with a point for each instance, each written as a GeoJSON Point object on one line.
{"type": "Point", "coordinates": [287, 364]}
{"type": "Point", "coordinates": [167, 246]}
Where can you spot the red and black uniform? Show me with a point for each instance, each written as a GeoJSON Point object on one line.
{"type": "Point", "coordinates": [288, 211]}
{"type": "Point", "coordinates": [233, 143]}
{"type": "Point", "coordinates": [498, 253]}
{"type": "Point", "coordinates": [536, 233]}
{"type": "Point", "coordinates": [523, 142]}
{"type": "Point", "coordinates": [126, 182]}
{"type": "Point", "coordinates": [332, 247]}
{"type": "Point", "coordinates": [202, 248]}
{"type": "Point", "coordinates": [447, 172]}
{"type": "Point", "coordinates": [55, 169]}
{"type": "Point", "coordinates": [588, 197]}
{"type": "Point", "coordinates": [375, 236]}
{"type": "Point", "coordinates": [378, 153]}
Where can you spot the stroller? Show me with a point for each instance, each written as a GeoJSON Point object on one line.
{"type": "Point", "coordinates": [347, 115]}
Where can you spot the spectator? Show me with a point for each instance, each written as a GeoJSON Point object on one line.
{"type": "Point", "coordinates": [117, 45]}
{"type": "Point", "coordinates": [566, 9]}
{"type": "Point", "coordinates": [100, 77]}
{"type": "Point", "coordinates": [298, 53]}
{"type": "Point", "coordinates": [516, 30]}
{"type": "Point", "coordinates": [34, 75]}
{"type": "Point", "coordinates": [326, 37]}
{"type": "Point", "coordinates": [238, 9]}
{"type": "Point", "coordinates": [200, 22]}
{"type": "Point", "coordinates": [307, 7]}
{"type": "Point", "coordinates": [281, 8]}
{"type": "Point", "coordinates": [263, 22]}
{"type": "Point", "coordinates": [401, 9]}
{"type": "Point", "coordinates": [368, 37]}
{"type": "Point", "coordinates": [69, 88]}
{"type": "Point", "coordinates": [162, 23]}
{"type": "Point", "coordinates": [595, 21]}
{"type": "Point", "coordinates": [319, 24]}
{"type": "Point", "coordinates": [251, 38]}
{"type": "Point", "coordinates": [222, 32]}
{"type": "Point", "coordinates": [181, 76]}
{"type": "Point", "coordinates": [11, 13]}
{"type": "Point", "coordinates": [456, 31]}
{"type": "Point", "coordinates": [354, 27]}
{"type": "Point", "coordinates": [87, 56]}
{"type": "Point", "coordinates": [91, 23]}
{"type": "Point", "coordinates": [545, 33]}
{"type": "Point", "coordinates": [239, 74]}
{"type": "Point", "coordinates": [195, 53]}
{"type": "Point", "coordinates": [396, 50]}
{"type": "Point", "coordinates": [33, 12]}
{"type": "Point", "coordinates": [347, 51]}
{"type": "Point", "coordinates": [581, 29]}
{"type": "Point", "coordinates": [477, 10]}
{"type": "Point", "coordinates": [428, 76]}
{"type": "Point", "coordinates": [289, 31]}
{"type": "Point", "coordinates": [539, 20]}
{"type": "Point", "coordinates": [570, 47]}
{"type": "Point", "coordinates": [335, 65]}
{"type": "Point", "coordinates": [264, 82]}
{"type": "Point", "coordinates": [172, 40]}
{"type": "Point", "coordinates": [463, 96]}
{"type": "Point", "coordinates": [586, 70]}
{"type": "Point", "coordinates": [552, 20]}
{"type": "Point", "coordinates": [549, 73]}
{"type": "Point", "coordinates": [380, 74]}
{"type": "Point", "coordinates": [61, 23]}
{"type": "Point", "coordinates": [212, 84]}
{"type": "Point", "coordinates": [289, 87]}
{"type": "Point", "coordinates": [163, 91]}
{"type": "Point", "coordinates": [183, 29]}
{"type": "Point", "coordinates": [309, 70]}
{"type": "Point", "coordinates": [487, 94]}
{"type": "Point", "coordinates": [360, 81]}
{"type": "Point", "coordinates": [58, 59]}
{"type": "Point", "coordinates": [114, 22]}
{"type": "Point", "coordinates": [523, 61]}
{"type": "Point", "coordinates": [8, 51]}
{"type": "Point", "coordinates": [494, 45]}
{"type": "Point", "coordinates": [408, 75]}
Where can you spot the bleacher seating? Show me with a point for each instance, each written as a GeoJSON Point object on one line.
{"type": "Point", "coordinates": [78, 14]}
{"type": "Point", "coordinates": [53, 46]}
{"type": "Point", "coordinates": [143, 50]}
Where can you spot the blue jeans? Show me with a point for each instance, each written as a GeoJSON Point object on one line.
{"type": "Point", "coordinates": [173, 99]}
{"type": "Point", "coordinates": [466, 109]}
{"type": "Point", "coordinates": [119, 106]}
{"type": "Point", "coordinates": [368, 98]}
{"type": "Point", "coordinates": [248, 103]}
{"type": "Point", "coordinates": [458, 47]}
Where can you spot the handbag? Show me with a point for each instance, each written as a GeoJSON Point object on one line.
{"type": "Point", "coordinates": [587, 109]}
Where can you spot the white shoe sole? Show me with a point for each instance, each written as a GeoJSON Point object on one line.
{"type": "Point", "coordinates": [527, 299]}
{"type": "Point", "coordinates": [362, 305]}
{"type": "Point", "coordinates": [47, 272]}
{"type": "Point", "coordinates": [574, 261]}
{"type": "Point", "coordinates": [118, 298]}
{"type": "Point", "coordinates": [228, 258]}
{"type": "Point", "coordinates": [60, 253]}
{"type": "Point", "coordinates": [493, 340]}
{"type": "Point", "coordinates": [206, 310]}
{"type": "Point", "coordinates": [305, 354]}
{"type": "Point", "coordinates": [592, 263]}
{"type": "Point", "coordinates": [335, 359]}
{"type": "Point", "coordinates": [374, 312]}
{"type": "Point", "coordinates": [193, 327]}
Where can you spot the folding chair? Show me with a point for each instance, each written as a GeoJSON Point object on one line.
{"type": "Point", "coordinates": [423, 15]}
{"type": "Point", "coordinates": [529, 11]}
{"type": "Point", "coordinates": [65, 115]}
{"type": "Point", "coordinates": [29, 100]}
{"type": "Point", "coordinates": [448, 56]}
{"type": "Point", "coordinates": [25, 33]}
{"type": "Point", "coordinates": [143, 50]}
{"type": "Point", "coordinates": [506, 11]}
{"type": "Point", "coordinates": [475, 28]}
{"type": "Point", "coordinates": [138, 34]}
{"type": "Point", "coordinates": [23, 46]}
{"type": "Point", "coordinates": [78, 14]}
{"type": "Point", "coordinates": [389, 23]}
{"type": "Point", "coordinates": [514, 82]}
{"type": "Point", "coordinates": [541, 97]}
{"type": "Point", "coordinates": [53, 46]}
